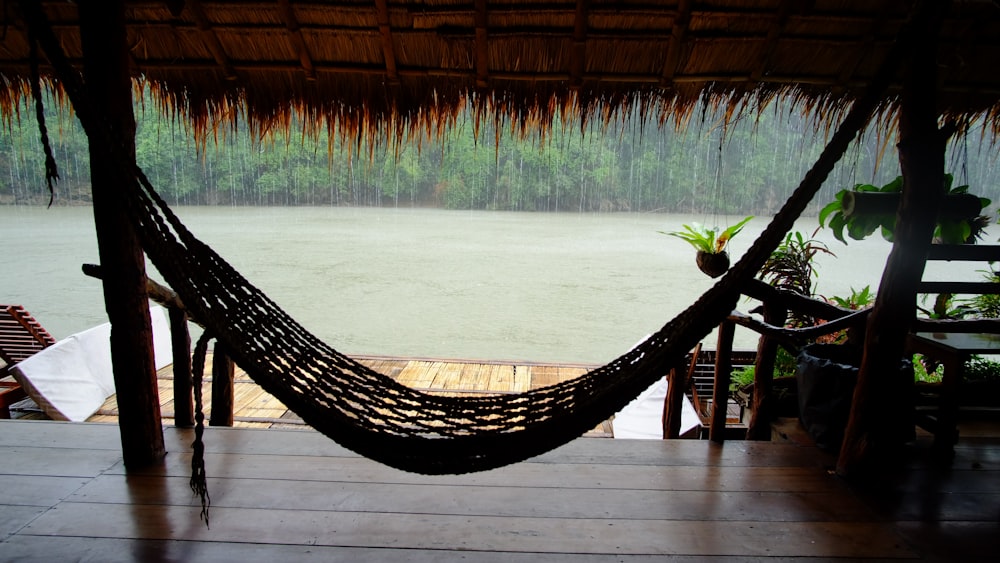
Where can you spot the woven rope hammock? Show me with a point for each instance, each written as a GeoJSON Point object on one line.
{"type": "Point", "coordinates": [369, 412]}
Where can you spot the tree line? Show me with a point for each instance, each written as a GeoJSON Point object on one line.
{"type": "Point", "coordinates": [749, 166]}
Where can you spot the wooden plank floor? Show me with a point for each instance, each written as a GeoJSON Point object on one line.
{"type": "Point", "coordinates": [280, 495]}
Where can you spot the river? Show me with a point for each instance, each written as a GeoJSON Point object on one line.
{"type": "Point", "coordinates": [428, 282]}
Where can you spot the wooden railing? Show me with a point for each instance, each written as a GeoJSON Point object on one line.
{"type": "Point", "coordinates": [776, 305]}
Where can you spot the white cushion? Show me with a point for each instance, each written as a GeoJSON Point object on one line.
{"type": "Point", "coordinates": [71, 379]}
{"type": "Point", "coordinates": [642, 419]}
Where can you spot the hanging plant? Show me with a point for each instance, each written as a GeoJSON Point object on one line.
{"type": "Point", "coordinates": [867, 208]}
{"type": "Point", "coordinates": [710, 245]}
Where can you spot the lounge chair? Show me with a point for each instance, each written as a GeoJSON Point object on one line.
{"type": "Point", "coordinates": [21, 336]}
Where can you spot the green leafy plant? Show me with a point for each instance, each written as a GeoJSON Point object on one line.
{"type": "Point", "coordinates": [859, 299]}
{"type": "Point", "coordinates": [925, 371]}
{"type": "Point", "coordinates": [860, 226]}
{"type": "Point", "coordinates": [978, 368]}
{"type": "Point", "coordinates": [784, 366]}
{"type": "Point", "coordinates": [707, 240]}
{"type": "Point", "coordinates": [711, 257]}
{"type": "Point", "coordinates": [741, 378]}
{"type": "Point", "coordinates": [986, 305]}
{"type": "Point", "coordinates": [790, 266]}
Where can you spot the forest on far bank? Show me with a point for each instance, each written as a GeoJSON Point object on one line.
{"type": "Point", "coordinates": [749, 167]}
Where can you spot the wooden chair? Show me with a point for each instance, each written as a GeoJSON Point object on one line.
{"type": "Point", "coordinates": [952, 342]}
{"type": "Point", "coordinates": [21, 336]}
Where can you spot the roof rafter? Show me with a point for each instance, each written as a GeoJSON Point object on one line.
{"type": "Point", "coordinates": [680, 29]}
{"type": "Point", "coordinates": [482, 45]}
{"type": "Point", "coordinates": [211, 39]}
{"type": "Point", "coordinates": [861, 50]}
{"type": "Point", "coordinates": [771, 42]}
{"type": "Point", "coordinates": [579, 54]}
{"type": "Point", "coordinates": [292, 24]}
{"type": "Point", "coordinates": [385, 30]}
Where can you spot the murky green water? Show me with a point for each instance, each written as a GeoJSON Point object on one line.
{"type": "Point", "coordinates": [431, 283]}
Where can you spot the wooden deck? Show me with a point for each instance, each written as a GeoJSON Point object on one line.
{"type": "Point", "coordinates": [280, 495]}
{"type": "Point", "coordinates": [254, 408]}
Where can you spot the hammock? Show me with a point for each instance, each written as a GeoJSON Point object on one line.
{"type": "Point", "coordinates": [371, 413]}
{"type": "Point", "coordinates": [375, 416]}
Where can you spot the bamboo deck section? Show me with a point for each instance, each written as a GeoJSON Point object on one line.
{"type": "Point", "coordinates": [280, 495]}
{"type": "Point", "coordinates": [255, 408]}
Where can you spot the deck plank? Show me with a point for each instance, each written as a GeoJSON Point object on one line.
{"type": "Point", "coordinates": [511, 501]}
{"type": "Point", "coordinates": [44, 549]}
{"type": "Point", "coordinates": [38, 490]}
{"type": "Point", "coordinates": [14, 518]}
{"type": "Point", "coordinates": [287, 494]}
{"type": "Point", "coordinates": [478, 533]}
{"type": "Point", "coordinates": [529, 475]}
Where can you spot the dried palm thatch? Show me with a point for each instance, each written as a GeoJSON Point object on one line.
{"type": "Point", "coordinates": [390, 69]}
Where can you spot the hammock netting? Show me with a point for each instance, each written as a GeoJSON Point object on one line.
{"type": "Point", "coordinates": [375, 416]}
{"type": "Point", "coordinates": [372, 414]}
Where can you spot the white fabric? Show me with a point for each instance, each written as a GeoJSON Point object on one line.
{"type": "Point", "coordinates": [71, 379]}
{"type": "Point", "coordinates": [643, 418]}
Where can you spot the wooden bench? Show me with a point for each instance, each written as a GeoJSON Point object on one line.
{"type": "Point", "coordinates": [21, 336]}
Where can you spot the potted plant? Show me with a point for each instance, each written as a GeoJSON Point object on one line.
{"type": "Point", "coordinates": [866, 207]}
{"type": "Point", "coordinates": [710, 245]}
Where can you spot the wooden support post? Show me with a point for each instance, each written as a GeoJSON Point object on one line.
{"type": "Point", "coordinates": [678, 382]}
{"type": "Point", "coordinates": [674, 403]}
{"type": "Point", "coordinates": [881, 406]}
{"type": "Point", "coordinates": [180, 341]}
{"type": "Point", "coordinates": [223, 372]}
{"type": "Point", "coordinates": [720, 390]}
{"type": "Point", "coordinates": [109, 87]}
{"type": "Point", "coordinates": [763, 376]}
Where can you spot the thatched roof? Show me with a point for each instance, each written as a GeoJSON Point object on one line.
{"type": "Point", "coordinates": [387, 67]}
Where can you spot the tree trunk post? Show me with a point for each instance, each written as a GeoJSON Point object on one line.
{"type": "Point", "coordinates": [720, 390]}
{"type": "Point", "coordinates": [674, 403]}
{"type": "Point", "coordinates": [763, 376]}
{"type": "Point", "coordinates": [106, 73]}
{"type": "Point", "coordinates": [223, 371]}
{"type": "Point", "coordinates": [882, 403]}
{"type": "Point", "coordinates": [180, 341]}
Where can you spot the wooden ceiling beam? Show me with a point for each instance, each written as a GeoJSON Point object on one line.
{"type": "Point", "coordinates": [578, 57]}
{"type": "Point", "coordinates": [771, 42]}
{"type": "Point", "coordinates": [482, 45]}
{"type": "Point", "coordinates": [292, 24]}
{"type": "Point", "coordinates": [861, 51]}
{"type": "Point", "coordinates": [676, 43]}
{"type": "Point", "coordinates": [385, 30]}
{"type": "Point", "coordinates": [211, 39]}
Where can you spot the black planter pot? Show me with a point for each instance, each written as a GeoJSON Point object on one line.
{"type": "Point", "coordinates": [713, 264]}
{"type": "Point", "coordinates": [826, 375]}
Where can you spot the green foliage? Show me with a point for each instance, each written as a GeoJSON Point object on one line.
{"type": "Point", "coordinates": [708, 240]}
{"type": "Point", "coordinates": [926, 372]}
{"type": "Point", "coordinates": [986, 304]}
{"type": "Point", "coordinates": [859, 227]}
{"type": "Point", "coordinates": [741, 378]}
{"type": "Point", "coordinates": [790, 266]}
{"type": "Point", "coordinates": [978, 368]}
{"type": "Point", "coordinates": [859, 299]}
{"type": "Point", "coordinates": [785, 365]}
{"type": "Point", "coordinates": [946, 306]}
{"type": "Point", "coordinates": [613, 165]}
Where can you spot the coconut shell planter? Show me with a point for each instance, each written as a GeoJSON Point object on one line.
{"type": "Point", "coordinates": [713, 264]}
